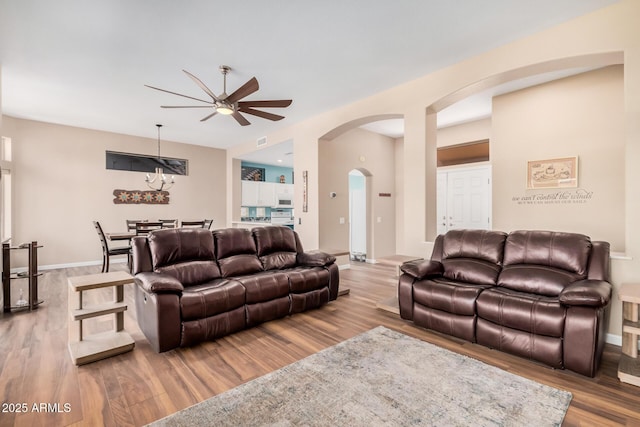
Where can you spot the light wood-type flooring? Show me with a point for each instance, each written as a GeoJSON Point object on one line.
{"type": "Point", "coordinates": [37, 375]}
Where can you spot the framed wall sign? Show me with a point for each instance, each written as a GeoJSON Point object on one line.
{"type": "Point", "coordinates": [561, 172]}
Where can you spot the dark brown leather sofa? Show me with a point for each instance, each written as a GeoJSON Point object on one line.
{"type": "Point", "coordinates": [537, 294]}
{"type": "Point", "coordinates": [193, 284]}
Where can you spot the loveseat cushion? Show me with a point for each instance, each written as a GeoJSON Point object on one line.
{"type": "Point", "coordinates": [536, 279]}
{"type": "Point", "coordinates": [450, 297]}
{"type": "Point", "coordinates": [276, 247]}
{"type": "Point", "coordinates": [472, 256]}
{"type": "Point", "coordinates": [565, 251]}
{"type": "Point", "coordinates": [526, 312]}
{"type": "Point", "coordinates": [484, 245]}
{"type": "Point", "coordinates": [184, 253]}
{"type": "Point", "coordinates": [236, 252]}
{"type": "Point", "coordinates": [212, 298]}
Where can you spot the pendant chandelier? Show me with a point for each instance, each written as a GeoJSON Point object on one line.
{"type": "Point", "coordinates": [159, 181]}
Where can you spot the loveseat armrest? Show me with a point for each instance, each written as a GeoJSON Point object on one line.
{"type": "Point", "coordinates": [422, 269]}
{"type": "Point", "coordinates": [315, 259]}
{"type": "Point", "coordinates": [158, 283]}
{"type": "Point", "coordinates": [592, 293]}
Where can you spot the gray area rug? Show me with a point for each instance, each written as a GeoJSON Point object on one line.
{"type": "Point", "coordinates": [382, 377]}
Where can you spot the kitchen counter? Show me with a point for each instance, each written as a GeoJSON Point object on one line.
{"type": "Point", "coordinates": [251, 224]}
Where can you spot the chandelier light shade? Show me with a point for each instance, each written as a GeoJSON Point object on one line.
{"type": "Point", "coordinates": [159, 181]}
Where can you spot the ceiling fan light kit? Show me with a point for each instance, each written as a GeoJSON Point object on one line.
{"type": "Point", "coordinates": [231, 105]}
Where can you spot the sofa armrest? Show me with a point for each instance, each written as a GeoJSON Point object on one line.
{"type": "Point", "coordinates": [158, 283]}
{"type": "Point", "coordinates": [592, 293]}
{"type": "Point", "coordinates": [315, 259]}
{"type": "Point", "coordinates": [422, 269]}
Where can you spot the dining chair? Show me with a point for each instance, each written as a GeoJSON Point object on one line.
{"type": "Point", "coordinates": [108, 252]}
{"type": "Point", "coordinates": [193, 224]}
{"type": "Point", "coordinates": [207, 224]}
{"type": "Point", "coordinates": [169, 223]}
{"type": "Point", "coordinates": [131, 224]}
{"type": "Point", "coordinates": [144, 228]}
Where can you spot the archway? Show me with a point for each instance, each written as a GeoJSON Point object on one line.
{"type": "Point", "coordinates": [343, 150]}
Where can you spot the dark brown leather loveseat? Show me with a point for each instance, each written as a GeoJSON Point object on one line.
{"type": "Point", "coordinates": [193, 284]}
{"type": "Point", "coordinates": [538, 294]}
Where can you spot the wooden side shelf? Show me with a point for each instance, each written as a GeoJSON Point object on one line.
{"type": "Point", "coordinates": [629, 366]}
{"type": "Point", "coordinates": [87, 349]}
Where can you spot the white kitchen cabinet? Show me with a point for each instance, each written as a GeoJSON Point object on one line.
{"type": "Point", "coordinates": [258, 193]}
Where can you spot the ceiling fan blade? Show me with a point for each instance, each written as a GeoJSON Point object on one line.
{"type": "Point", "coordinates": [209, 116]}
{"type": "Point", "coordinates": [279, 103]}
{"type": "Point", "coordinates": [245, 90]}
{"type": "Point", "coordinates": [186, 106]}
{"type": "Point", "coordinates": [240, 119]}
{"type": "Point", "coordinates": [202, 85]}
{"type": "Point", "coordinates": [263, 114]}
{"type": "Point", "coordinates": [179, 94]}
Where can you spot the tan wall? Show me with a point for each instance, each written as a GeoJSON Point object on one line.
{"type": "Point", "coordinates": [577, 116]}
{"type": "Point", "coordinates": [608, 36]}
{"type": "Point", "coordinates": [465, 132]}
{"type": "Point", "coordinates": [61, 185]}
{"type": "Point", "coordinates": [372, 154]}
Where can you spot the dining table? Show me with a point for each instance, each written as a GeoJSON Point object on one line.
{"type": "Point", "coordinates": [121, 235]}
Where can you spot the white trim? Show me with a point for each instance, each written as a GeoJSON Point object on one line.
{"type": "Point", "coordinates": [614, 339]}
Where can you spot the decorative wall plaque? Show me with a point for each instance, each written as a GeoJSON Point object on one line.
{"type": "Point", "coordinates": [137, 197]}
{"type": "Point", "coordinates": [553, 173]}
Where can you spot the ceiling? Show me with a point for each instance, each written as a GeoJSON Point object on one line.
{"type": "Point", "coordinates": [85, 62]}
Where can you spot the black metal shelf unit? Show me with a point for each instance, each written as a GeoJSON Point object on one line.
{"type": "Point", "coordinates": [31, 274]}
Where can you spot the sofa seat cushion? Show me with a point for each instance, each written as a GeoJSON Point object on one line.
{"type": "Point", "coordinates": [191, 273]}
{"type": "Point", "coordinates": [471, 270]}
{"type": "Point", "coordinates": [307, 279]}
{"type": "Point", "coordinates": [236, 252]}
{"type": "Point", "coordinates": [211, 298]}
{"type": "Point", "coordinates": [276, 247]}
{"type": "Point", "coordinates": [448, 296]}
{"type": "Point", "coordinates": [264, 286]}
{"type": "Point", "coordinates": [536, 279]}
{"type": "Point", "coordinates": [534, 314]}
{"type": "Point", "coordinates": [175, 245]}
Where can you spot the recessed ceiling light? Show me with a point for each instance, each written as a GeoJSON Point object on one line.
{"type": "Point", "coordinates": [279, 160]}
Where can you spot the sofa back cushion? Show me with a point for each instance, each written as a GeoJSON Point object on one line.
{"type": "Point", "coordinates": [185, 253]}
{"type": "Point", "coordinates": [544, 262]}
{"type": "Point", "coordinates": [236, 252]}
{"type": "Point", "coordinates": [472, 256]}
{"type": "Point", "coordinates": [276, 247]}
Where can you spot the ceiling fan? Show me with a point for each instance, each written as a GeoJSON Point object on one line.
{"type": "Point", "coordinates": [231, 104]}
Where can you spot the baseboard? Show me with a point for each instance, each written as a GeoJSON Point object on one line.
{"type": "Point", "coordinates": [71, 265]}
{"type": "Point", "coordinates": [614, 339]}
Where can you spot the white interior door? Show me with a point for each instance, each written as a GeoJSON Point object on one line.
{"type": "Point", "coordinates": [468, 199]}
{"type": "Point", "coordinates": [357, 215]}
{"type": "Point", "coordinates": [441, 201]}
